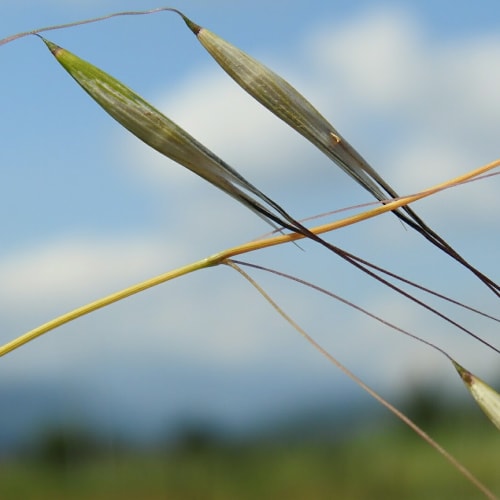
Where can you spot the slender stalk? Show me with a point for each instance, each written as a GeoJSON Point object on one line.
{"type": "Point", "coordinates": [368, 214]}
{"type": "Point", "coordinates": [100, 303]}
{"type": "Point", "coordinates": [220, 257]}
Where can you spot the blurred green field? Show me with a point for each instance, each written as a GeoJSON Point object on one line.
{"type": "Point", "coordinates": [381, 465]}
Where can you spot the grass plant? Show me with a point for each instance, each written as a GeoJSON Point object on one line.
{"type": "Point", "coordinates": [159, 132]}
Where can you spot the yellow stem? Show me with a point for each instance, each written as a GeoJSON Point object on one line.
{"type": "Point", "coordinates": [220, 257]}
{"type": "Point", "coordinates": [100, 303]}
{"type": "Point", "coordinates": [331, 226]}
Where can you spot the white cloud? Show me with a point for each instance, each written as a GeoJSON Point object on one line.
{"type": "Point", "coordinates": [376, 58]}
{"type": "Point", "coordinates": [467, 80]}
{"type": "Point", "coordinates": [69, 269]}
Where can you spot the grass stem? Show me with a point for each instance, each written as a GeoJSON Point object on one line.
{"type": "Point", "coordinates": [223, 256]}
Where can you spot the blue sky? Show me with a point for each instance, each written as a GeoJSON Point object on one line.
{"type": "Point", "coordinates": [87, 209]}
